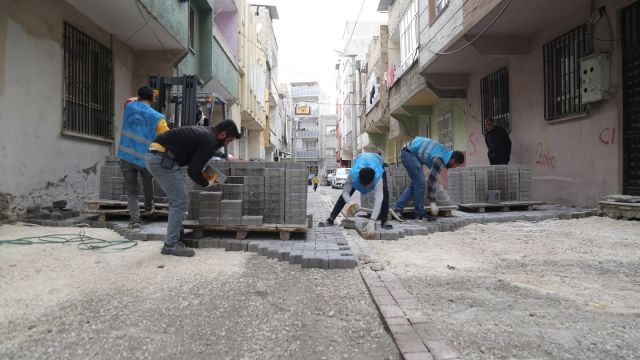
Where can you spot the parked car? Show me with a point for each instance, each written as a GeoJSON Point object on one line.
{"type": "Point", "coordinates": [309, 179]}
{"type": "Point", "coordinates": [340, 177]}
{"type": "Point", "coordinates": [330, 179]}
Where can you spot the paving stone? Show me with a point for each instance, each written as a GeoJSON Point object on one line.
{"type": "Point", "coordinates": [235, 245]}
{"type": "Point", "coordinates": [135, 235]}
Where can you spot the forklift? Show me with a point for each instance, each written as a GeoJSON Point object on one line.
{"type": "Point", "coordinates": [181, 92]}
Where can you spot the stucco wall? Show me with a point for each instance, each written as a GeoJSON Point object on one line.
{"type": "Point", "coordinates": [456, 107]}
{"type": "Point", "coordinates": [39, 164]}
{"type": "Point", "coordinates": [573, 161]}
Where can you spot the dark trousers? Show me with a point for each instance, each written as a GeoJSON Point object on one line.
{"type": "Point", "coordinates": [130, 173]}
{"type": "Point", "coordinates": [384, 212]}
{"type": "Point", "coordinates": [315, 187]}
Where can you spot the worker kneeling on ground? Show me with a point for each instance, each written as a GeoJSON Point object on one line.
{"type": "Point", "coordinates": [365, 176]}
{"type": "Point", "coordinates": [191, 146]}
{"type": "Point", "coordinates": [420, 152]}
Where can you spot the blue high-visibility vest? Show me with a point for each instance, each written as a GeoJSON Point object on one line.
{"type": "Point", "coordinates": [426, 149]}
{"type": "Point", "coordinates": [366, 160]}
{"type": "Point", "coordinates": [138, 132]}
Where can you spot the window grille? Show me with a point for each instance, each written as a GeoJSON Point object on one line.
{"type": "Point", "coordinates": [494, 95]}
{"type": "Point", "coordinates": [88, 86]}
{"type": "Point", "coordinates": [445, 129]}
{"type": "Point", "coordinates": [562, 55]}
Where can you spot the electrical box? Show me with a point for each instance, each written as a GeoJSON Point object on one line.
{"type": "Point", "coordinates": [594, 77]}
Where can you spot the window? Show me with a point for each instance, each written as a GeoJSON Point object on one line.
{"type": "Point", "coordinates": [409, 36]}
{"type": "Point", "coordinates": [494, 95]}
{"type": "Point", "coordinates": [445, 129]}
{"type": "Point", "coordinates": [331, 130]}
{"type": "Point", "coordinates": [192, 28]}
{"type": "Point", "coordinates": [440, 6]}
{"type": "Point", "coordinates": [310, 145]}
{"type": "Point", "coordinates": [562, 55]}
{"type": "Point", "coordinates": [331, 152]}
{"type": "Point", "coordinates": [88, 77]}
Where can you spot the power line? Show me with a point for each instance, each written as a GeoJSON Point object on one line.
{"type": "Point", "coordinates": [354, 25]}
{"type": "Point", "coordinates": [150, 29]}
{"type": "Point", "coordinates": [475, 38]}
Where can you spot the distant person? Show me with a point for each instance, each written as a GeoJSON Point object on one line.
{"type": "Point", "coordinates": [498, 143]}
{"type": "Point", "coordinates": [140, 125]}
{"type": "Point", "coordinates": [201, 120]}
{"type": "Point", "coordinates": [315, 181]}
{"type": "Point", "coordinates": [191, 146]}
{"type": "Point", "coordinates": [422, 151]}
{"type": "Point", "coordinates": [367, 174]}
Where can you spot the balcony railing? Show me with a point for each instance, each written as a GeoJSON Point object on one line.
{"type": "Point", "coordinates": [307, 134]}
{"type": "Point", "coordinates": [308, 154]}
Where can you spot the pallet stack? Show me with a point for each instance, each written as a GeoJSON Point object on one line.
{"type": "Point", "coordinates": [471, 184]}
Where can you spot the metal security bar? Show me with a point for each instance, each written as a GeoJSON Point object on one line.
{"type": "Point", "coordinates": [630, 17]}
{"type": "Point", "coordinates": [88, 79]}
{"type": "Point", "coordinates": [562, 56]}
{"type": "Point", "coordinates": [494, 95]}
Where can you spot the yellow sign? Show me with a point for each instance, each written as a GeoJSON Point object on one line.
{"type": "Point", "coordinates": [303, 109]}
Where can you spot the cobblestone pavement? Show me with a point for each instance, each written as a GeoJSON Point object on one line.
{"type": "Point", "coordinates": [57, 301]}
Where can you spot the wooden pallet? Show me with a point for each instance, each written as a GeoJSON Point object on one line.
{"type": "Point", "coordinates": [503, 206]}
{"type": "Point", "coordinates": [242, 231]}
{"type": "Point", "coordinates": [105, 208]}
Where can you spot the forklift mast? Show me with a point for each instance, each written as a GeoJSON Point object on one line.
{"type": "Point", "coordinates": [186, 100]}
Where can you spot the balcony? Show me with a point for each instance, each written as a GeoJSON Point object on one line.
{"type": "Point", "coordinates": [307, 134]}
{"type": "Point", "coordinates": [308, 154]}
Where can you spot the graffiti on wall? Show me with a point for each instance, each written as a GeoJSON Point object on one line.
{"type": "Point", "coordinates": [544, 157]}
{"type": "Point", "coordinates": [474, 148]}
{"type": "Point", "coordinates": [608, 136]}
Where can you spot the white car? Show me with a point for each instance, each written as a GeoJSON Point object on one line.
{"type": "Point", "coordinates": [330, 179]}
{"type": "Point", "coordinates": [340, 177]}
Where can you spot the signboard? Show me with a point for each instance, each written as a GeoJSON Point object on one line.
{"type": "Point", "coordinates": [303, 109]}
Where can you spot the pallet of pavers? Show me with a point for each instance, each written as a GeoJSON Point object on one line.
{"type": "Point", "coordinates": [256, 197]}
{"type": "Point", "coordinates": [105, 208]}
{"type": "Point", "coordinates": [502, 206]}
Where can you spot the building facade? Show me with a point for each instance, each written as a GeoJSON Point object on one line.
{"type": "Point", "coordinates": [305, 123]}
{"type": "Point", "coordinates": [540, 70]}
{"type": "Point", "coordinates": [328, 145]}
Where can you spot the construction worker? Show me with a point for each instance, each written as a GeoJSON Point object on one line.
{"type": "Point", "coordinates": [191, 146]}
{"type": "Point", "coordinates": [141, 124]}
{"type": "Point", "coordinates": [365, 176]}
{"type": "Point", "coordinates": [420, 152]}
{"type": "Point", "coordinates": [315, 181]}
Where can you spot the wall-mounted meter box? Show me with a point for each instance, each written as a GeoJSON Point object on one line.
{"type": "Point", "coordinates": [594, 77]}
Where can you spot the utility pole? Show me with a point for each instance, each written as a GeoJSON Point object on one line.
{"type": "Point", "coordinates": [354, 109]}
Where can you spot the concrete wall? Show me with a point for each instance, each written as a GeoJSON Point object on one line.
{"type": "Point", "coordinates": [40, 164]}
{"type": "Point", "coordinates": [572, 161]}
{"type": "Point", "coordinates": [174, 16]}
{"type": "Point", "coordinates": [456, 107]}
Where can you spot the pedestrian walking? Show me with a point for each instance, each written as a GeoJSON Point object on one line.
{"type": "Point", "coordinates": [141, 124]}
{"type": "Point", "coordinates": [367, 174]}
{"type": "Point", "coordinates": [498, 143]}
{"type": "Point", "coordinates": [315, 181]}
{"type": "Point", "coordinates": [419, 152]}
{"type": "Point", "coordinates": [193, 147]}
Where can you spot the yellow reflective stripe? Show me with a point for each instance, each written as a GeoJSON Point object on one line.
{"type": "Point", "coordinates": [135, 137]}
{"type": "Point", "coordinates": [131, 152]}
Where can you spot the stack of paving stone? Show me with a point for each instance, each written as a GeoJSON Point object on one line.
{"type": "Point", "coordinates": [295, 201]}
{"type": "Point", "coordinates": [470, 185]}
{"type": "Point", "coordinates": [112, 184]}
{"type": "Point", "coordinates": [255, 193]}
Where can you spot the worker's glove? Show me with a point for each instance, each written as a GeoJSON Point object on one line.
{"type": "Point", "coordinates": [434, 209]}
{"type": "Point", "coordinates": [352, 209]}
{"type": "Point", "coordinates": [369, 230]}
{"type": "Point", "coordinates": [212, 179]}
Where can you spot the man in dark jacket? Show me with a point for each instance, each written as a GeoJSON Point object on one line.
{"type": "Point", "coordinates": [498, 143]}
{"type": "Point", "coordinates": [191, 146]}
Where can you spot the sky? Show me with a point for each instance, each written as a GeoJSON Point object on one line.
{"type": "Point", "coordinates": [307, 33]}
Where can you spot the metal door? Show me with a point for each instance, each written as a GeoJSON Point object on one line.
{"type": "Point", "coordinates": [631, 98]}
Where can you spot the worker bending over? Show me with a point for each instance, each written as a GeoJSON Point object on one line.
{"type": "Point", "coordinates": [367, 174]}
{"type": "Point", "coordinates": [191, 146]}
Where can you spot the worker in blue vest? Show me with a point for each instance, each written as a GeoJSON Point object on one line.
{"type": "Point", "coordinates": [140, 126]}
{"type": "Point", "coordinates": [422, 151]}
{"type": "Point", "coordinates": [367, 174]}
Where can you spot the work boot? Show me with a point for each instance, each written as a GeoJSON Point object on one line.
{"type": "Point", "coordinates": [426, 218]}
{"type": "Point", "coordinates": [397, 214]}
{"type": "Point", "coordinates": [328, 222]}
{"type": "Point", "coordinates": [385, 225]}
{"type": "Point", "coordinates": [177, 249]}
{"type": "Point", "coordinates": [135, 223]}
